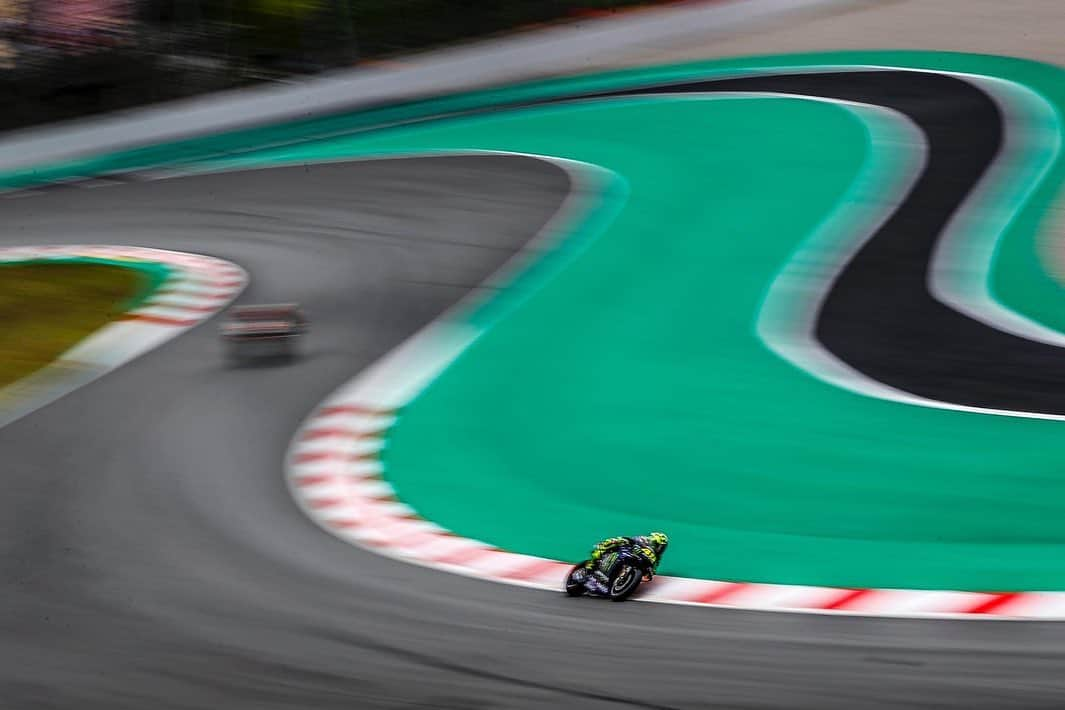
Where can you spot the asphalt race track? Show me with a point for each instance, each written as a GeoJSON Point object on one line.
{"type": "Point", "coordinates": [152, 557]}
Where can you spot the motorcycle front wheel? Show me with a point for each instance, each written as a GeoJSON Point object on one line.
{"type": "Point", "coordinates": [624, 582]}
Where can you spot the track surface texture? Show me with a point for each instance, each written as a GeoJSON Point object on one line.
{"type": "Point", "coordinates": [152, 557]}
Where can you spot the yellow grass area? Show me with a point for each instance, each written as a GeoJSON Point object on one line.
{"type": "Point", "coordinates": [47, 308]}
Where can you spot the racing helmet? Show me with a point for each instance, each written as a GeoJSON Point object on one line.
{"type": "Point", "coordinates": [658, 539]}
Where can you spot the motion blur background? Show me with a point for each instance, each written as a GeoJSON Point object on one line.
{"type": "Point", "coordinates": [152, 556]}
{"type": "Point", "coordinates": [65, 58]}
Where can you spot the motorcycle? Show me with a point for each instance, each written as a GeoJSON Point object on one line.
{"type": "Point", "coordinates": [624, 569]}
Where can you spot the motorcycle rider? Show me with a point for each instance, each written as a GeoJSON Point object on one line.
{"type": "Point", "coordinates": [596, 580]}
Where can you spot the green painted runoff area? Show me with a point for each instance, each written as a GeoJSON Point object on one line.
{"type": "Point", "coordinates": [630, 391]}
{"type": "Point", "coordinates": [632, 394]}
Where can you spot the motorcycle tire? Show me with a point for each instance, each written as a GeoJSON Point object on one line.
{"type": "Point", "coordinates": [575, 588]}
{"type": "Point", "coordinates": [623, 582]}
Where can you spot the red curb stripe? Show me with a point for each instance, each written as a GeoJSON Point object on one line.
{"type": "Point", "coordinates": [464, 556]}
{"type": "Point", "coordinates": [370, 542]}
{"type": "Point", "coordinates": [332, 455]}
{"type": "Point", "coordinates": [326, 432]}
{"type": "Point", "coordinates": [182, 307]}
{"type": "Point", "coordinates": [319, 503]}
{"type": "Point", "coordinates": [414, 537]}
{"type": "Point", "coordinates": [847, 597]}
{"type": "Point", "coordinates": [195, 286]}
{"type": "Point", "coordinates": [991, 605]}
{"type": "Point", "coordinates": [530, 570]}
{"type": "Point", "coordinates": [715, 596]}
{"type": "Point", "coordinates": [348, 409]}
{"type": "Point", "coordinates": [194, 293]}
{"type": "Point", "coordinates": [314, 480]}
{"type": "Point", "coordinates": [342, 456]}
{"type": "Point", "coordinates": [312, 456]}
{"type": "Point", "coordinates": [161, 320]}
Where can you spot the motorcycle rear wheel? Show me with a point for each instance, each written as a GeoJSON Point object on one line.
{"type": "Point", "coordinates": [574, 585]}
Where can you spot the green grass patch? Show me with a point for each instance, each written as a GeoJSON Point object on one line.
{"type": "Point", "coordinates": [47, 307]}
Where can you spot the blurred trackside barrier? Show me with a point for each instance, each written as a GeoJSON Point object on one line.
{"type": "Point", "coordinates": [521, 57]}
{"type": "Point", "coordinates": [383, 26]}
{"type": "Point", "coordinates": [313, 33]}
{"type": "Point", "coordinates": [131, 52]}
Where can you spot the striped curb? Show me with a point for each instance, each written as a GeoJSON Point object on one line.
{"type": "Point", "coordinates": [196, 288]}
{"type": "Point", "coordinates": [335, 473]}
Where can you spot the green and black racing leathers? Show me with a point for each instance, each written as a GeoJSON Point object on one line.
{"type": "Point", "coordinates": [654, 545]}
